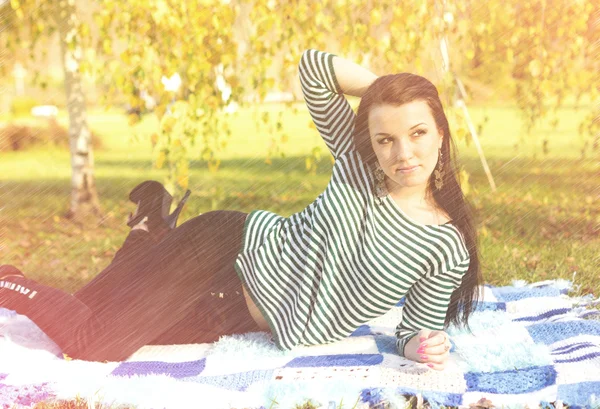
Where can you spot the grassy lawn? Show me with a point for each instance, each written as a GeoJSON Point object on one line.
{"type": "Point", "coordinates": [543, 222]}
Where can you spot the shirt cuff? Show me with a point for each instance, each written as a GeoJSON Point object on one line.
{"type": "Point", "coordinates": [401, 342]}
{"type": "Point", "coordinates": [329, 60]}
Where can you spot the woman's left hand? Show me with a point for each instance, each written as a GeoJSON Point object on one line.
{"type": "Point", "coordinates": [434, 348]}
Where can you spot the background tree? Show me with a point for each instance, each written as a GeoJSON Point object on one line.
{"type": "Point", "coordinates": [29, 24]}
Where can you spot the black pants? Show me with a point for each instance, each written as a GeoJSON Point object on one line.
{"type": "Point", "coordinates": [183, 289]}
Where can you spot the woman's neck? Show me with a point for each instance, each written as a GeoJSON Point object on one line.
{"type": "Point", "coordinates": [413, 195]}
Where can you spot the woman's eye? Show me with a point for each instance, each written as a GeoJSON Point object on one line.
{"type": "Point", "coordinates": [420, 132]}
{"type": "Point", "coordinates": [381, 141]}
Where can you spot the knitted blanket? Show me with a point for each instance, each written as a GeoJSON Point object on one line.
{"type": "Point", "coordinates": [530, 345]}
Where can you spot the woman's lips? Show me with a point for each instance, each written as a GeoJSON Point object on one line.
{"type": "Point", "coordinates": [408, 170]}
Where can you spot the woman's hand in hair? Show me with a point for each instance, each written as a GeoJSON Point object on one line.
{"type": "Point", "coordinates": [429, 347]}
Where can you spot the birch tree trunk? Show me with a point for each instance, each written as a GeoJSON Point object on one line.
{"type": "Point", "coordinates": [83, 186]}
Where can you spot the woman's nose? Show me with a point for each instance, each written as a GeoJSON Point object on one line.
{"type": "Point", "coordinates": [403, 150]}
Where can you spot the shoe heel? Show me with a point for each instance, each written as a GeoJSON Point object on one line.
{"type": "Point", "coordinates": [172, 218]}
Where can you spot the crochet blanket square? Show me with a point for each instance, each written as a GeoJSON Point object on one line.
{"type": "Point", "coordinates": [527, 345]}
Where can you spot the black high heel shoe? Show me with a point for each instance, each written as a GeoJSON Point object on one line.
{"type": "Point", "coordinates": [154, 203]}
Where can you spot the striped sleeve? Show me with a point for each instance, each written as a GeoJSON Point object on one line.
{"type": "Point", "coordinates": [427, 303]}
{"type": "Point", "coordinates": [328, 107]}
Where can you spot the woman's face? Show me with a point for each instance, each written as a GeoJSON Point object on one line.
{"type": "Point", "coordinates": [406, 142]}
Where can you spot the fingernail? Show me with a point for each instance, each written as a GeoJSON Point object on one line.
{"type": "Point", "coordinates": [420, 350]}
{"type": "Point", "coordinates": [423, 345]}
{"type": "Point", "coordinates": [430, 365]}
{"type": "Point", "coordinates": [422, 339]}
{"type": "Point", "coordinates": [423, 357]}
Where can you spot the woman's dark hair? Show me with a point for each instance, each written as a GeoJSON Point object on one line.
{"type": "Point", "coordinates": [399, 89]}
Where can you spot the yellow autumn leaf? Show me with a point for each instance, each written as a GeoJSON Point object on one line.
{"type": "Point", "coordinates": [168, 123]}
{"type": "Point", "coordinates": [535, 68]}
{"type": "Point", "coordinates": [133, 119]}
{"type": "Point", "coordinates": [463, 178]}
{"type": "Point", "coordinates": [160, 161]}
{"type": "Point", "coordinates": [183, 180]}
{"type": "Point", "coordinates": [375, 17]}
{"type": "Point", "coordinates": [308, 162]}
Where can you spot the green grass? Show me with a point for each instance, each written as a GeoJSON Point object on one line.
{"type": "Point", "coordinates": [541, 223]}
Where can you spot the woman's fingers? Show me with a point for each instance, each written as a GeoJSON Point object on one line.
{"type": "Point", "coordinates": [437, 367]}
{"type": "Point", "coordinates": [434, 349]}
{"type": "Point", "coordinates": [437, 338]}
{"type": "Point", "coordinates": [437, 344]}
{"type": "Point", "coordinates": [438, 349]}
{"type": "Point", "coordinates": [436, 358]}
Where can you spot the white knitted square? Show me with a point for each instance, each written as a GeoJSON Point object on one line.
{"type": "Point", "coordinates": [583, 369]}
{"type": "Point", "coordinates": [486, 294]}
{"type": "Point", "coordinates": [536, 305]}
{"type": "Point", "coordinates": [398, 371]}
{"type": "Point", "coordinates": [170, 353]}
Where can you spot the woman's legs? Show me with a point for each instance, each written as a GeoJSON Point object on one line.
{"type": "Point", "coordinates": [157, 299]}
{"type": "Point", "coordinates": [131, 253]}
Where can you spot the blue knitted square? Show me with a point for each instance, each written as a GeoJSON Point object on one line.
{"type": "Point", "coordinates": [551, 332]}
{"type": "Point", "coordinates": [586, 394]}
{"type": "Point", "coordinates": [335, 360]}
{"type": "Point", "coordinates": [174, 369]}
{"type": "Point", "coordinates": [511, 382]}
{"type": "Point", "coordinates": [238, 381]}
{"type": "Point", "coordinates": [507, 294]}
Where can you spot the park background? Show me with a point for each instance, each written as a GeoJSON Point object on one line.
{"type": "Point", "coordinates": [236, 131]}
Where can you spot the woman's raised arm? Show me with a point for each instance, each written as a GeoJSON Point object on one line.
{"type": "Point", "coordinates": [325, 78]}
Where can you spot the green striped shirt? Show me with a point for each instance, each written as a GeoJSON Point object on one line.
{"type": "Point", "coordinates": [349, 256]}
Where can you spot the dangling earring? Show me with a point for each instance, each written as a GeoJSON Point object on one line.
{"type": "Point", "coordinates": [439, 173]}
{"type": "Point", "coordinates": [380, 187]}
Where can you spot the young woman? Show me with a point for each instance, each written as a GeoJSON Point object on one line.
{"type": "Point", "coordinates": [391, 222]}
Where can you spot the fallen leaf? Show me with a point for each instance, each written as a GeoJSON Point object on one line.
{"type": "Point", "coordinates": [482, 403]}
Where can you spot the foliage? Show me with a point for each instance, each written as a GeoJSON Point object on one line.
{"type": "Point", "coordinates": [254, 47]}
{"type": "Point", "coordinates": [231, 53]}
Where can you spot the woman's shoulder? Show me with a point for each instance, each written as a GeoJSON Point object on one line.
{"type": "Point", "coordinates": [350, 170]}
{"type": "Point", "coordinates": [352, 159]}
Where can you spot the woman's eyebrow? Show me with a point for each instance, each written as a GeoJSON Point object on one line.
{"type": "Point", "coordinates": [387, 134]}
{"type": "Point", "coordinates": [414, 126]}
